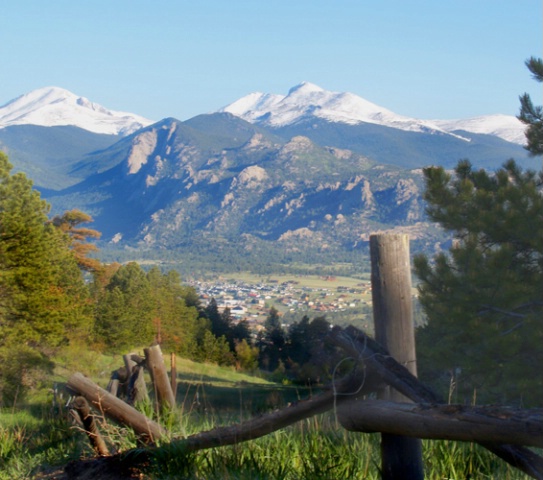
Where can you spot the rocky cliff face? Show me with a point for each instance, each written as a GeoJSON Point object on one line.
{"type": "Point", "coordinates": [172, 184]}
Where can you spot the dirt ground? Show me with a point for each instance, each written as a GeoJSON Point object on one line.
{"type": "Point", "coordinates": [105, 468]}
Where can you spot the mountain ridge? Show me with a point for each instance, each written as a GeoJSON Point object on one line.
{"type": "Point", "coordinates": [54, 106]}
{"type": "Point", "coordinates": [220, 186]}
{"type": "Point", "coordinates": [307, 100]}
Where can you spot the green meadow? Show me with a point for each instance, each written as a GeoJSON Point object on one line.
{"type": "Point", "coordinates": [38, 439]}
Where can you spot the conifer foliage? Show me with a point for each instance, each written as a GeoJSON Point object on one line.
{"type": "Point", "coordinates": [533, 115]}
{"type": "Point", "coordinates": [484, 297]}
{"type": "Point", "coordinates": [70, 223]}
{"type": "Point", "coordinates": [43, 299]}
{"type": "Point", "coordinates": [42, 289]}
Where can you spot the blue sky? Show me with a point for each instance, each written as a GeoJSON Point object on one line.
{"type": "Point", "coordinates": [159, 58]}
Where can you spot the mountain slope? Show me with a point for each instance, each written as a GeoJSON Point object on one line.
{"type": "Point", "coordinates": [177, 185]}
{"type": "Point", "coordinates": [48, 155]}
{"type": "Point", "coordinates": [311, 174]}
{"type": "Point", "coordinates": [53, 106]}
{"type": "Point", "coordinates": [409, 149]}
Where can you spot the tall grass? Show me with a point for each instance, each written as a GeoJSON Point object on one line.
{"type": "Point", "coordinates": [318, 448]}
{"type": "Point", "coordinates": [38, 437]}
{"type": "Point", "coordinates": [315, 448]}
{"type": "Point", "coordinates": [31, 440]}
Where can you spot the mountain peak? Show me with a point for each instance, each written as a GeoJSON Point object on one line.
{"type": "Point", "coordinates": [305, 88]}
{"type": "Point", "coordinates": [307, 101]}
{"type": "Point", "coordinates": [55, 106]}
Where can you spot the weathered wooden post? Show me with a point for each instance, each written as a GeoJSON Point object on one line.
{"type": "Point", "coordinates": [114, 407]}
{"type": "Point", "coordinates": [116, 385]}
{"type": "Point", "coordinates": [82, 408]}
{"type": "Point", "coordinates": [173, 375]}
{"type": "Point", "coordinates": [161, 382]}
{"type": "Point", "coordinates": [136, 390]}
{"type": "Point", "coordinates": [129, 364]}
{"type": "Point", "coordinates": [394, 329]}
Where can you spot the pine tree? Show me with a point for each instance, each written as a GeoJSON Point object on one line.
{"type": "Point", "coordinates": [43, 299]}
{"type": "Point", "coordinates": [533, 115]}
{"type": "Point", "coordinates": [43, 294]}
{"type": "Point", "coordinates": [273, 342]}
{"type": "Point", "coordinates": [178, 322]}
{"type": "Point", "coordinates": [125, 310]}
{"type": "Point", "coordinates": [70, 223]}
{"type": "Point", "coordinates": [483, 298]}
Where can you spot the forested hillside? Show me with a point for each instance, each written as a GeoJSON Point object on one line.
{"type": "Point", "coordinates": [57, 294]}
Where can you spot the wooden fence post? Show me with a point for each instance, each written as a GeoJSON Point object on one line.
{"type": "Point", "coordinates": [136, 391]}
{"type": "Point", "coordinates": [393, 318]}
{"type": "Point", "coordinates": [114, 407]}
{"type": "Point", "coordinates": [161, 382]}
{"type": "Point", "coordinates": [173, 375]}
{"type": "Point", "coordinates": [82, 408]}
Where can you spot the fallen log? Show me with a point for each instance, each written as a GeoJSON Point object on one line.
{"type": "Point", "coordinates": [114, 408]}
{"type": "Point", "coordinates": [364, 349]}
{"type": "Point", "coordinates": [378, 366]}
{"type": "Point", "coordinates": [263, 425]}
{"type": "Point", "coordinates": [485, 424]}
{"type": "Point", "coordinates": [249, 430]}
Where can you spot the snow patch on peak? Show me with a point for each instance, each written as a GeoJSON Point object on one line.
{"type": "Point", "coordinates": [507, 127]}
{"type": "Point", "coordinates": [307, 100]}
{"type": "Point", "coordinates": [248, 107]}
{"type": "Point", "coordinates": [305, 88]}
{"type": "Point", "coordinates": [54, 106]}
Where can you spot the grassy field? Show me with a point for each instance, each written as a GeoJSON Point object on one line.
{"type": "Point", "coordinates": [38, 438]}
{"type": "Point", "coordinates": [315, 281]}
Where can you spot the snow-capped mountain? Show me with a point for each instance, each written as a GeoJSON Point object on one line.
{"type": "Point", "coordinates": [307, 100]}
{"type": "Point", "coordinates": [53, 106]}
{"type": "Point", "coordinates": [508, 127]}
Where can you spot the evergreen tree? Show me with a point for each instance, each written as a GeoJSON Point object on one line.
{"type": "Point", "coordinates": [273, 342]}
{"type": "Point", "coordinates": [215, 350]}
{"type": "Point", "coordinates": [211, 312]}
{"type": "Point", "coordinates": [483, 298]}
{"type": "Point", "coordinates": [70, 223]}
{"type": "Point", "coordinates": [275, 335]}
{"type": "Point", "coordinates": [533, 115]}
{"type": "Point", "coordinates": [43, 294]}
{"type": "Point", "coordinates": [176, 323]}
{"type": "Point", "coordinates": [125, 310]}
{"type": "Point", "coordinates": [246, 356]}
{"type": "Point", "coordinates": [43, 299]}
{"type": "Point", "coordinates": [223, 324]}
{"type": "Point", "coordinates": [309, 358]}
{"type": "Point", "coordinates": [241, 332]}
{"type": "Point", "coordinates": [298, 349]}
